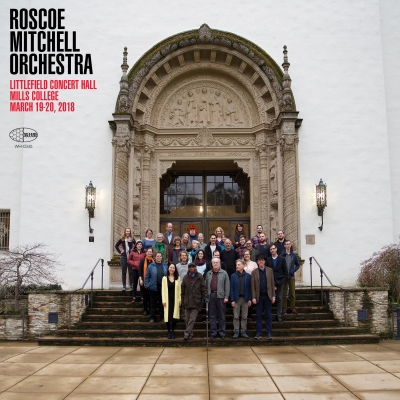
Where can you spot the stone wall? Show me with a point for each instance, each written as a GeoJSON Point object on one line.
{"type": "Point", "coordinates": [375, 300]}
{"type": "Point", "coordinates": [11, 327]}
{"type": "Point", "coordinates": [40, 304]}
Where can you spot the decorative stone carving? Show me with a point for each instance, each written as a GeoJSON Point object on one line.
{"type": "Point", "coordinates": [204, 138]}
{"type": "Point", "coordinates": [193, 78]}
{"type": "Point", "coordinates": [273, 175]}
{"type": "Point", "coordinates": [202, 105]}
{"type": "Point", "coordinates": [136, 225]}
{"type": "Point", "coordinates": [245, 165]}
{"type": "Point", "coordinates": [273, 225]}
{"type": "Point", "coordinates": [164, 167]}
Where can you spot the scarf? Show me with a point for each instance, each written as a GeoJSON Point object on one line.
{"type": "Point", "coordinates": [199, 262]}
{"type": "Point", "coordinates": [192, 276]}
{"type": "Point", "coordinates": [147, 261]}
{"type": "Point", "coordinates": [160, 247]}
{"type": "Point", "coordinates": [127, 241]}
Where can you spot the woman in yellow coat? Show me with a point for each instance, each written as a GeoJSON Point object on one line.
{"type": "Point", "coordinates": [171, 299]}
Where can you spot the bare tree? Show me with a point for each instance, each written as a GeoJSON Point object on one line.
{"type": "Point", "coordinates": [27, 264]}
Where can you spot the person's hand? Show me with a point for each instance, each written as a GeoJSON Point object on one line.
{"type": "Point", "coordinates": [254, 300]}
{"type": "Point", "coordinates": [226, 300]}
{"type": "Point", "coordinates": [180, 303]}
{"type": "Point", "coordinates": [140, 282]}
{"type": "Point", "coordinates": [233, 304]}
{"type": "Point", "coordinates": [164, 304]}
{"type": "Point", "coordinates": [273, 300]}
{"type": "Point", "coordinates": [249, 303]}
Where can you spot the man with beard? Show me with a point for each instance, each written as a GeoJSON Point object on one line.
{"type": "Point", "coordinates": [263, 247]}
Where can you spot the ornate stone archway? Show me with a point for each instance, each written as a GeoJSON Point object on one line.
{"type": "Point", "coordinates": [209, 95]}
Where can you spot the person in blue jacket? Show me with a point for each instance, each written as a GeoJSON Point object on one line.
{"type": "Point", "coordinates": [154, 274]}
{"type": "Point", "coordinates": [240, 295]}
{"type": "Point", "coordinates": [292, 264]}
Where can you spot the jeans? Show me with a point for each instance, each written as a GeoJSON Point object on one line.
{"type": "Point", "coordinates": [217, 307]}
{"type": "Point", "coordinates": [241, 307]}
{"type": "Point", "coordinates": [124, 265]}
{"type": "Point", "coordinates": [133, 278]}
{"type": "Point", "coordinates": [279, 292]}
{"type": "Point", "coordinates": [264, 301]}
{"type": "Point", "coordinates": [292, 293]}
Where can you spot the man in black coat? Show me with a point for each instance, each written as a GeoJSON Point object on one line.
{"type": "Point", "coordinates": [211, 247]}
{"type": "Point", "coordinates": [278, 266]}
{"type": "Point", "coordinates": [229, 257]}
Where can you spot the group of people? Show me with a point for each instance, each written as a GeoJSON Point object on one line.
{"type": "Point", "coordinates": [175, 273]}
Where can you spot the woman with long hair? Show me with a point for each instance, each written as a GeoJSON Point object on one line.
{"type": "Point", "coordinates": [249, 266]}
{"type": "Point", "coordinates": [186, 242]}
{"type": "Point", "coordinates": [174, 253]}
{"type": "Point", "coordinates": [182, 267]}
{"type": "Point", "coordinates": [148, 240]}
{"type": "Point", "coordinates": [200, 262]}
{"type": "Point", "coordinates": [135, 256]}
{"type": "Point", "coordinates": [218, 233]}
{"type": "Point", "coordinates": [239, 230]}
{"type": "Point", "coordinates": [147, 260]}
{"type": "Point", "coordinates": [171, 299]}
{"type": "Point", "coordinates": [124, 247]}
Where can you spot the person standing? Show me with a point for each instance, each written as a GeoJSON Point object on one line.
{"type": "Point", "coordinates": [134, 259]}
{"type": "Point", "coordinates": [218, 288]}
{"type": "Point", "coordinates": [278, 266]}
{"type": "Point", "coordinates": [148, 240]}
{"type": "Point", "coordinates": [171, 299]}
{"type": "Point", "coordinates": [280, 243]}
{"type": "Point", "coordinates": [239, 231]}
{"type": "Point", "coordinates": [148, 259]}
{"type": "Point", "coordinates": [193, 292]}
{"type": "Point", "coordinates": [229, 257]}
{"type": "Point", "coordinates": [263, 293]}
{"type": "Point", "coordinates": [240, 298]}
{"type": "Point", "coordinates": [211, 247]}
{"type": "Point", "coordinates": [242, 247]}
{"type": "Point", "coordinates": [253, 251]}
{"type": "Point", "coordinates": [182, 266]}
{"type": "Point", "coordinates": [167, 237]}
{"type": "Point", "coordinates": [124, 247]}
{"type": "Point", "coordinates": [201, 241]}
{"type": "Point", "coordinates": [264, 246]}
{"type": "Point", "coordinates": [193, 233]}
{"type": "Point", "coordinates": [155, 272]}
{"type": "Point", "coordinates": [175, 252]}
{"type": "Point", "coordinates": [255, 240]}
{"type": "Point", "coordinates": [161, 247]}
{"type": "Point", "coordinates": [292, 265]}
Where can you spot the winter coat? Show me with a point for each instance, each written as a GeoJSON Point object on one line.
{"type": "Point", "coordinates": [193, 292]}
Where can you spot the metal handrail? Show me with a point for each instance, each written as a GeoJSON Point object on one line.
{"type": "Point", "coordinates": [322, 273]}
{"type": "Point", "coordinates": [91, 288]}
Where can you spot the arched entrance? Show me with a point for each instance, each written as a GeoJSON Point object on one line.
{"type": "Point", "coordinates": [206, 97]}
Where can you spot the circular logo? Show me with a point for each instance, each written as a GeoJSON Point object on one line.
{"type": "Point", "coordinates": [23, 135]}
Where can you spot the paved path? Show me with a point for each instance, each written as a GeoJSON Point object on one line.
{"type": "Point", "coordinates": [369, 371]}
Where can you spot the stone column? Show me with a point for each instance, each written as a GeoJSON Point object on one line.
{"type": "Point", "coordinates": [288, 143]}
{"type": "Point", "coordinates": [122, 148]}
{"type": "Point", "coordinates": [261, 147]}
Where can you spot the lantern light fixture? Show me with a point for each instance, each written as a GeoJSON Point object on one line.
{"type": "Point", "coordinates": [321, 200]}
{"type": "Point", "coordinates": [90, 202]}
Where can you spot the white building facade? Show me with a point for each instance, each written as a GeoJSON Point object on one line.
{"type": "Point", "coordinates": [210, 106]}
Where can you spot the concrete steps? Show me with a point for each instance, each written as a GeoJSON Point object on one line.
{"type": "Point", "coordinates": [115, 321]}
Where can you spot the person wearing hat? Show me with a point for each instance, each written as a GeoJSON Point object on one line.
{"type": "Point", "coordinates": [193, 291]}
{"type": "Point", "coordinates": [263, 293]}
{"type": "Point", "coordinates": [193, 233]}
{"type": "Point", "coordinates": [134, 259]}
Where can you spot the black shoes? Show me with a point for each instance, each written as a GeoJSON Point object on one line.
{"type": "Point", "coordinates": [257, 337]}
{"type": "Point", "coordinates": [144, 312]}
{"type": "Point", "coordinates": [279, 318]}
{"type": "Point", "coordinates": [169, 335]}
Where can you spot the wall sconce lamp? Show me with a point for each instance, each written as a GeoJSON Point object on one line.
{"type": "Point", "coordinates": [321, 200]}
{"type": "Point", "coordinates": [90, 202]}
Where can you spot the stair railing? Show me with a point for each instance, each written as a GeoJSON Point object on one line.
{"type": "Point", "coordinates": [91, 275]}
{"type": "Point", "coordinates": [322, 274]}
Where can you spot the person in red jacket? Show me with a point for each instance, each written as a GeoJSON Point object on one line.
{"type": "Point", "coordinates": [134, 259]}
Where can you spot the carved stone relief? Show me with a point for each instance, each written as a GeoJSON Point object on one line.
{"type": "Point", "coordinates": [173, 86]}
{"type": "Point", "coordinates": [273, 225]}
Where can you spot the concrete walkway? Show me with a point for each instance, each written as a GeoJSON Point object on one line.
{"type": "Point", "coordinates": [369, 371]}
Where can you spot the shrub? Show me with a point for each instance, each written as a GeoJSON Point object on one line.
{"type": "Point", "coordinates": [383, 269]}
